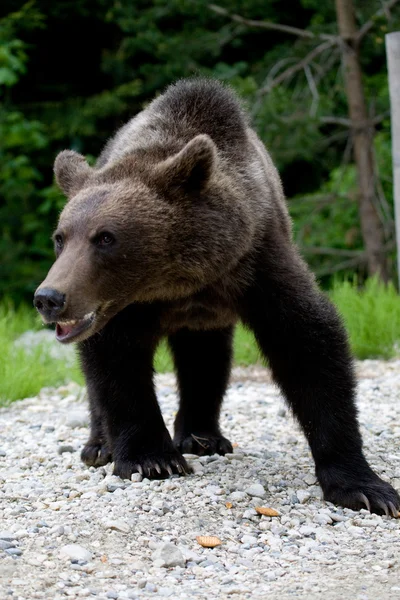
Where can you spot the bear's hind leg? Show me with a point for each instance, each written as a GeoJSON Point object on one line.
{"type": "Point", "coordinates": [202, 361]}
{"type": "Point", "coordinates": [301, 335]}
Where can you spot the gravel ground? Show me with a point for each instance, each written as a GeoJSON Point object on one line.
{"type": "Point", "coordinates": [70, 531]}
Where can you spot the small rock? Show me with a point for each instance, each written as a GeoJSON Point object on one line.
{"type": "Point", "coordinates": [3, 452]}
{"type": "Point", "coordinates": [112, 594]}
{"type": "Point", "coordinates": [309, 479]}
{"type": "Point", "coordinates": [170, 556]}
{"type": "Point", "coordinates": [75, 552]}
{"type": "Point", "coordinates": [114, 484]}
{"type": "Point", "coordinates": [248, 514]}
{"type": "Point", "coordinates": [256, 490]}
{"type": "Point", "coordinates": [7, 535]}
{"type": "Point", "coordinates": [238, 496]}
{"type": "Point", "coordinates": [64, 449]}
{"type": "Point", "coordinates": [4, 545]}
{"type": "Point", "coordinates": [13, 551]}
{"type": "Point", "coordinates": [249, 539]}
{"type": "Point", "coordinates": [77, 419]}
{"type": "Point", "coordinates": [323, 519]}
{"type": "Point", "coordinates": [337, 517]}
{"type": "Point", "coordinates": [307, 531]}
{"type": "Point", "coordinates": [118, 525]}
{"type": "Point", "coordinates": [165, 591]}
{"type": "Point", "coordinates": [136, 477]}
{"type": "Point", "coordinates": [303, 496]}
{"type": "Point", "coordinates": [234, 456]}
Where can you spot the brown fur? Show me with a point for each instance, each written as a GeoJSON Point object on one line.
{"type": "Point", "coordinates": [180, 230]}
{"type": "Point", "coordinates": [187, 213]}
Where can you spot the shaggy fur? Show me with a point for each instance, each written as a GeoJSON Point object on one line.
{"type": "Point", "coordinates": [179, 231]}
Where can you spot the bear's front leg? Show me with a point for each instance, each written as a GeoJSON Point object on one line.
{"type": "Point", "coordinates": [119, 374]}
{"type": "Point", "coordinates": [96, 451]}
{"type": "Point", "coordinates": [300, 333]}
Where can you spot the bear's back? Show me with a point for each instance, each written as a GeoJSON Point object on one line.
{"type": "Point", "coordinates": [186, 109]}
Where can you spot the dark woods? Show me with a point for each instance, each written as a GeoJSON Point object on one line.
{"type": "Point", "coordinates": [72, 72]}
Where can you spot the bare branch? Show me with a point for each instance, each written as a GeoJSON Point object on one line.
{"type": "Point", "coordinates": [316, 250]}
{"type": "Point", "coordinates": [302, 64]}
{"type": "Point", "coordinates": [359, 258]}
{"type": "Point", "coordinates": [346, 264]}
{"type": "Point", "coordinates": [371, 23]}
{"type": "Point", "coordinates": [335, 121]}
{"type": "Point", "coordinates": [348, 123]}
{"type": "Point", "coordinates": [304, 33]}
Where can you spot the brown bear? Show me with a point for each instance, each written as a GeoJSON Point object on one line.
{"type": "Point", "coordinates": [180, 230]}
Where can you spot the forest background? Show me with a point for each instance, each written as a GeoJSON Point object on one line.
{"type": "Point", "coordinates": [71, 73]}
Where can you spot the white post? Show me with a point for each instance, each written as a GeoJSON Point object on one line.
{"type": "Point", "coordinates": [393, 60]}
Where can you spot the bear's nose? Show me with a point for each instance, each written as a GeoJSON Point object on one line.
{"type": "Point", "coordinates": [49, 303]}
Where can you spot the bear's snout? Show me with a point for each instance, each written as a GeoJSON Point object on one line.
{"type": "Point", "coordinates": [50, 303]}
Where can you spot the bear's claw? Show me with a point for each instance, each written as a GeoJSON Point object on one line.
{"type": "Point", "coordinates": [152, 466]}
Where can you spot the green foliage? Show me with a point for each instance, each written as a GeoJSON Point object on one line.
{"type": "Point", "coordinates": [72, 72]}
{"type": "Point", "coordinates": [24, 371]}
{"type": "Point", "coordinates": [371, 315]}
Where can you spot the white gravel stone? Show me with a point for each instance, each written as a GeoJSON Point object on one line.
{"type": "Point", "coordinates": [75, 552]}
{"type": "Point", "coordinates": [7, 535]}
{"type": "Point", "coordinates": [49, 501]}
{"type": "Point", "coordinates": [257, 490]}
{"type": "Point", "coordinates": [168, 555]}
{"type": "Point", "coordinates": [118, 525]}
{"type": "Point", "coordinates": [303, 496]}
{"type": "Point", "coordinates": [77, 419]}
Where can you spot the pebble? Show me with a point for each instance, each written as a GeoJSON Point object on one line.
{"type": "Point", "coordinates": [118, 525]}
{"type": "Point", "coordinates": [128, 532]}
{"type": "Point", "coordinates": [249, 539]}
{"type": "Point", "coordinates": [168, 555]}
{"type": "Point", "coordinates": [13, 551]}
{"type": "Point", "coordinates": [7, 535]}
{"type": "Point", "coordinates": [303, 496]}
{"type": "Point", "coordinates": [64, 449]}
{"type": "Point", "coordinates": [4, 545]}
{"type": "Point", "coordinates": [238, 496]}
{"type": "Point", "coordinates": [75, 552]}
{"type": "Point", "coordinates": [256, 489]}
{"type": "Point", "coordinates": [77, 419]}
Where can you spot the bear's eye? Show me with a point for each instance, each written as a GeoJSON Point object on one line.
{"type": "Point", "coordinates": [104, 239]}
{"type": "Point", "coordinates": [59, 242]}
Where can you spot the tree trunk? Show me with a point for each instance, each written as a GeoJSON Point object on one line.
{"type": "Point", "coordinates": [362, 132]}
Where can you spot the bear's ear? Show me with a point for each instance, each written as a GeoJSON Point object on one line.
{"type": "Point", "coordinates": [192, 167]}
{"type": "Point", "coordinates": [71, 171]}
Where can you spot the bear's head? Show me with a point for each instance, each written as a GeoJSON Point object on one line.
{"type": "Point", "coordinates": [144, 228]}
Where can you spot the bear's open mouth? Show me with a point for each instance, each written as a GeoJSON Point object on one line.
{"type": "Point", "coordinates": [67, 331]}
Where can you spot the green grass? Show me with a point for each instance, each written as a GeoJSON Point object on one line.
{"type": "Point", "coordinates": [23, 373]}
{"type": "Point", "coordinates": [371, 315]}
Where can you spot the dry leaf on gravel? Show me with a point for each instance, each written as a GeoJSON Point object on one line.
{"type": "Point", "coordinates": [208, 541]}
{"type": "Point", "coordinates": [267, 512]}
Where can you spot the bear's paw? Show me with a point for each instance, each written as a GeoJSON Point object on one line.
{"type": "Point", "coordinates": [202, 443]}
